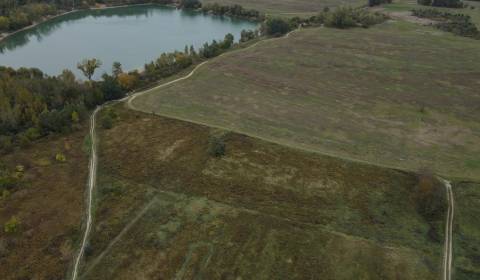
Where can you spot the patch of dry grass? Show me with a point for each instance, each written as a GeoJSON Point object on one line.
{"type": "Point", "coordinates": [49, 205]}
{"type": "Point", "coordinates": [261, 210]}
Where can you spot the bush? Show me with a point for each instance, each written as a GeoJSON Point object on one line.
{"type": "Point", "coordinates": [248, 35]}
{"type": "Point", "coordinates": [60, 157]}
{"type": "Point", "coordinates": [458, 24]}
{"type": "Point", "coordinates": [11, 226]}
{"type": "Point", "coordinates": [372, 3]}
{"type": "Point", "coordinates": [366, 19]}
{"type": "Point", "coordinates": [447, 3]}
{"type": "Point", "coordinates": [216, 147]}
{"type": "Point", "coordinates": [431, 196]}
{"type": "Point", "coordinates": [107, 122]}
{"type": "Point", "coordinates": [341, 18]}
{"type": "Point", "coordinates": [276, 27]}
{"type": "Point", "coordinates": [4, 23]}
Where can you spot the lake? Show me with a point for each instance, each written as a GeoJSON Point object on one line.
{"type": "Point", "coordinates": [131, 35]}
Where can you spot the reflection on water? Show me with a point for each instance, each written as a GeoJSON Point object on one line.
{"type": "Point", "coordinates": [132, 35]}
{"type": "Point", "coordinates": [44, 29]}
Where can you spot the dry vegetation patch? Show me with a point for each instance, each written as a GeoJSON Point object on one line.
{"type": "Point", "coordinates": [259, 209]}
{"type": "Point", "coordinates": [48, 204]}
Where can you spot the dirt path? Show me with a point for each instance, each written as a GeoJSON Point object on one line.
{"type": "Point", "coordinates": [91, 184]}
{"type": "Point", "coordinates": [447, 257]}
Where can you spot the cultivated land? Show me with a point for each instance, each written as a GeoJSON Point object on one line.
{"type": "Point", "coordinates": [288, 7]}
{"type": "Point", "coordinates": [397, 94]}
{"type": "Point", "coordinates": [49, 205]}
{"type": "Point", "coordinates": [165, 208]}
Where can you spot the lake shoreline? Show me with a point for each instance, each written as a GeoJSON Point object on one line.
{"type": "Point", "coordinates": [4, 36]}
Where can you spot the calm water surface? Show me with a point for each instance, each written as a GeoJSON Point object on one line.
{"type": "Point", "coordinates": [131, 35]}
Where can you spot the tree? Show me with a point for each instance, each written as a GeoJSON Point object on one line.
{"type": "Point", "coordinates": [88, 67]}
{"type": "Point", "coordinates": [127, 81]}
{"type": "Point", "coordinates": [117, 69]}
{"type": "Point", "coordinates": [228, 41]}
{"type": "Point", "coordinates": [276, 26]}
{"type": "Point", "coordinates": [4, 23]}
{"type": "Point", "coordinates": [111, 87]}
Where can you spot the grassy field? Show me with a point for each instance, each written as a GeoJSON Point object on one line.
{"type": "Point", "coordinates": [467, 231]}
{"type": "Point", "coordinates": [408, 5]}
{"type": "Point", "coordinates": [398, 94]}
{"type": "Point", "coordinates": [288, 7]}
{"type": "Point", "coordinates": [165, 208]}
{"type": "Point", "coordinates": [49, 206]}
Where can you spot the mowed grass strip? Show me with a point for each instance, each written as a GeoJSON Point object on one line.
{"type": "Point", "coordinates": [398, 94]}
{"type": "Point", "coordinates": [261, 210]}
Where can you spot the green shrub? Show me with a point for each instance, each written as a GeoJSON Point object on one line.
{"type": "Point", "coordinates": [216, 147]}
{"type": "Point", "coordinates": [341, 18]}
{"type": "Point", "coordinates": [276, 27]}
{"type": "Point", "coordinates": [366, 19]}
{"type": "Point", "coordinates": [458, 24]}
{"type": "Point", "coordinates": [107, 122]}
{"type": "Point", "coordinates": [60, 157]}
{"type": "Point", "coordinates": [447, 3]}
{"type": "Point", "coordinates": [4, 23]}
{"type": "Point", "coordinates": [11, 226]}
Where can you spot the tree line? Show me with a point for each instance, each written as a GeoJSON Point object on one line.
{"type": "Point", "coordinates": [17, 14]}
{"type": "Point", "coordinates": [12, 19]}
{"type": "Point", "coordinates": [342, 17]}
{"type": "Point", "coordinates": [233, 11]}
{"type": "Point", "coordinates": [33, 104]}
{"type": "Point", "coordinates": [458, 24]}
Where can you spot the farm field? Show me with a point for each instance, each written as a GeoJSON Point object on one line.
{"type": "Point", "coordinates": [49, 206]}
{"type": "Point", "coordinates": [369, 95]}
{"type": "Point", "coordinates": [287, 7]}
{"type": "Point", "coordinates": [165, 208]}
